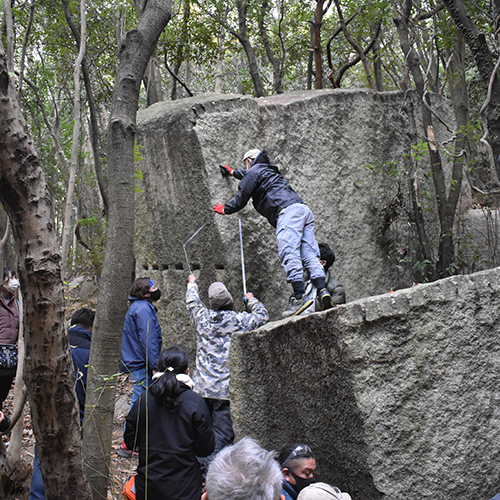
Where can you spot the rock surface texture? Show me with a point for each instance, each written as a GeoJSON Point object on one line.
{"type": "Point", "coordinates": [398, 394]}
{"type": "Point", "coordinates": [322, 141]}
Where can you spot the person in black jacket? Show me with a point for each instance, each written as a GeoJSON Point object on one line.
{"type": "Point", "coordinates": [80, 335]}
{"type": "Point", "coordinates": [4, 422]}
{"type": "Point", "coordinates": [171, 426]}
{"type": "Point", "coordinates": [335, 289]}
{"type": "Point", "coordinates": [275, 199]}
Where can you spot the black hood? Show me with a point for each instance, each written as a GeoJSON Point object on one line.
{"type": "Point", "coordinates": [261, 158]}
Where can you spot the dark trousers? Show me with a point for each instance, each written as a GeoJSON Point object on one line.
{"type": "Point", "coordinates": [221, 419]}
{"type": "Point", "coordinates": [223, 429]}
{"type": "Point", "coordinates": [5, 385]}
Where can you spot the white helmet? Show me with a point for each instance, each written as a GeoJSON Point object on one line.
{"type": "Point", "coordinates": [252, 154]}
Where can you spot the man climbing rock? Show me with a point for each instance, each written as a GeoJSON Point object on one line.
{"type": "Point", "coordinates": [275, 199]}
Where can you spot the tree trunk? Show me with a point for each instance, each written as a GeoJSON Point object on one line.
{"type": "Point", "coordinates": [152, 83]}
{"type": "Point", "coordinates": [446, 203]}
{"type": "Point", "coordinates": [247, 47]}
{"type": "Point", "coordinates": [48, 372]}
{"type": "Point", "coordinates": [413, 64]}
{"type": "Point", "coordinates": [318, 62]}
{"type": "Point", "coordinates": [310, 53]}
{"type": "Point", "coordinates": [460, 101]}
{"type": "Point", "coordinates": [68, 213]}
{"type": "Point", "coordinates": [361, 53]}
{"type": "Point", "coordinates": [19, 398]}
{"type": "Point", "coordinates": [219, 70]}
{"type": "Point", "coordinates": [3, 243]}
{"type": "Point", "coordinates": [275, 62]}
{"type": "Point", "coordinates": [9, 31]}
{"type": "Point", "coordinates": [377, 62]}
{"type": "Point", "coordinates": [23, 52]}
{"type": "Point", "coordinates": [94, 127]}
{"type": "Point", "coordinates": [118, 268]}
{"type": "Point", "coordinates": [486, 67]}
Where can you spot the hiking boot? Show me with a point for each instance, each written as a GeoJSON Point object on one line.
{"type": "Point", "coordinates": [325, 299]}
{"type": "Point", "coordinates": [296, 306]}
{"type": "Point", "coordinates": [124, 452]}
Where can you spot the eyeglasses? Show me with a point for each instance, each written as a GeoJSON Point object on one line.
{"type": "Point", "coordinates": [300, 451]}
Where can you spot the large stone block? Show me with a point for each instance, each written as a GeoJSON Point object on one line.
{"type": "Point", "coordinates": [398, 394]}
{"type": "Point", "coordinates": [321, 140]}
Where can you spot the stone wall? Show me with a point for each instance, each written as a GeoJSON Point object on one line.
{"type": "Point", "coordinates": [398, 394]}
{"type": "Point", "coordinates": [322, 142]}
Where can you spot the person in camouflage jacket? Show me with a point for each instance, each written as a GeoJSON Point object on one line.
{"type": "Point", "coordinates": [214, 328]}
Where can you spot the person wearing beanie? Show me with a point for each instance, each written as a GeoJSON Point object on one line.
{"type": "Point", "coordinates": [322, 491]}
{"type": "Point", "coordinates": [275, 199]}
{"type": "Point", "coordinates": [214, 327]}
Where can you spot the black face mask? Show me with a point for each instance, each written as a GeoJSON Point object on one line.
{"type": "Point", "coordinates": [301, 482]}
{"type": "Point", "coordinates": [154, 296]}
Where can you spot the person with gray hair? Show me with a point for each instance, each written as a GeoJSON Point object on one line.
{"type": "Point", "coordinates": [244, 471]}
{"type": "Point", "coordinates": [214, 328]}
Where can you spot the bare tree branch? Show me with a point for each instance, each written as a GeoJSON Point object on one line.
{"type": "Point", "coordinates": [176, 77]}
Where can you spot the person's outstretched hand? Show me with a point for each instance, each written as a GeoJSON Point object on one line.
{"type": "Point", "coordinates": [226, 170]}
{"type": "Point", "coordinates": [192, 278]}
{"type": "Point", "coordinates": [219, 208]}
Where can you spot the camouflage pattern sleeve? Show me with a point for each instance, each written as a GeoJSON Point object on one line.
{"type": "Point", "coordinates": [195, 306]}
{"type": "Point", "coordinates": [256, 318]}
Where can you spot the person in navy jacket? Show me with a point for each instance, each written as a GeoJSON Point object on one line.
{"type": "Point", "coordinates": [80, 336]}
{"type": "Point", "coordinates": [141, 340]}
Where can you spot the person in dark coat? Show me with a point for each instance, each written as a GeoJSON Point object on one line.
{"type": "Point", "coordinates": [141, 340]}
{"type": "Point", "coordinates": [80, 335]}
{"type": "Point", "coordinates": [170, 425]}
{"type": "Point", "coordinates": [335, 289]}
{"type": "Point", "coordinates": [4, 422]}
{"type": "Point", "coordinates": [9, 325]}
{"type": "Point", "coordinates": [297, 465]}
{"type": "Point", "coordinates": [275, 199]}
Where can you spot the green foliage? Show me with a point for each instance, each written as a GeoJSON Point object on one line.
{"type": "Point", "coordinates": [197, 44]}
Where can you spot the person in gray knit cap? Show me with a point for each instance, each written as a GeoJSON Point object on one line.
{"type": "Point", "coordinates": [214, 328]}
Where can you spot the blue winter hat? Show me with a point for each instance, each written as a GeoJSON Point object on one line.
{"type": "Point", "coordinates": [151, 283]}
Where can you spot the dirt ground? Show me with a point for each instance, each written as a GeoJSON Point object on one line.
{"type": "Point", "coordinates": [121, 467]}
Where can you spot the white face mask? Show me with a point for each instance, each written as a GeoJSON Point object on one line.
{"type": "Point", "coordinates": [14, 283]}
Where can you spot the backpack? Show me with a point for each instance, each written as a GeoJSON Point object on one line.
{"type": "Point", "coordinates": [129, 489]}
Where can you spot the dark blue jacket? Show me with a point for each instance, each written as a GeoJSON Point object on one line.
{"type": "Point", "coordinates": [288, 491]}
{"type": "Point", "coordinates": [141, 338]}
{"type": "Point", "coordinates": [79, 341]}
{"type": "Point", "coordinates": [269, 191]}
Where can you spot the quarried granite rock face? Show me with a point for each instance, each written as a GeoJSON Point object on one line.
{"type": "Point", "coordinates": [398, 395]}
{"type": "Point", "coordinates": [321, 140]}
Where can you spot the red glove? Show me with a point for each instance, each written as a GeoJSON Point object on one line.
{"type": "Point", "coordinates": [226, 170]}
{"type": "Point", "coordinates": [219, 208]}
